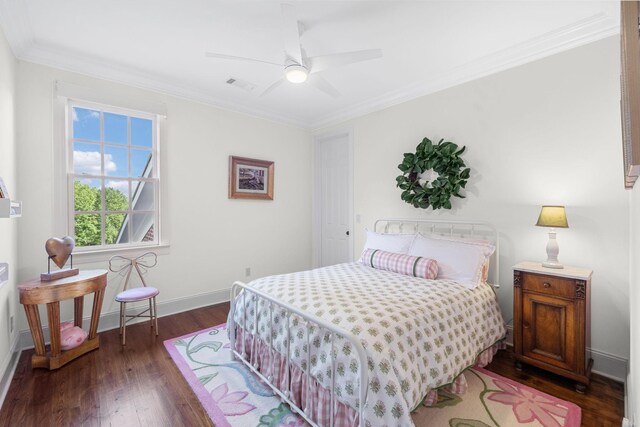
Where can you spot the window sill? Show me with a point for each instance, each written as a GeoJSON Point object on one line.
{"type": "Point", "coordinates": [103, 255]}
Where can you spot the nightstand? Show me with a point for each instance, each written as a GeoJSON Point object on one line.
{"type": "Point", "coordinates": [552, 320]}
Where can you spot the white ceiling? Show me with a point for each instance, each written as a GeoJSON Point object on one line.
{"type": "Point", "coordinates": [427, 46]}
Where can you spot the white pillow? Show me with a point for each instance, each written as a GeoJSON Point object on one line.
{"type": "Point", "coordinates": [398, 243]}
{"type": "Point", "coordinates": [458, 260]}
{"type": "Point", "coordinates": [477, 240]}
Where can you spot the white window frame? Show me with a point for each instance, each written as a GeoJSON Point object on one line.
{"type": "Point", "coordinates": [71, 176]}
{"type": "Point", "coordinates": [67, 94]}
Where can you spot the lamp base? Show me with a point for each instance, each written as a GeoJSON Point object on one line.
{"type": "Point", "coordinates": [551, 264]}
{"type": "Point", "coordinates": [552, 251]}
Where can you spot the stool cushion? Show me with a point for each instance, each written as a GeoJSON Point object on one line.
{"type": "Point", "coordinates": [137, 294]}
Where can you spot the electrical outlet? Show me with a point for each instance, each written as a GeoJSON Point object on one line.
{"type": "Point", "coordinates": [247, 271]}
{"type": "Point", "coordinates": [11, 324]}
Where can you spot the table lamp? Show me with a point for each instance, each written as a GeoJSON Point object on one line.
{"type": "Point", "coordinates": [554, 217]}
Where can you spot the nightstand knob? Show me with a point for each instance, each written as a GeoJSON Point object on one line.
{"type": "Point", "coordinates": [546, 285]}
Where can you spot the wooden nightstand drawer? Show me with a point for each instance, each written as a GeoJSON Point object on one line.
{"type": "Point", "coordinates": [549, 285]}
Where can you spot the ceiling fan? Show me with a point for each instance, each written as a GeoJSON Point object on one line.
{"type": "Point", "coordinates": [299, 68]}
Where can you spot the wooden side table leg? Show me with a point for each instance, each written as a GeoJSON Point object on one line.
{"type": "Point", "coordinates": [53, 312]}
{"type": "Point", "coordinates": [78, 303]}
{"type": "Point", "coordinates": [33, 316]}
{"type": "Point", "coordinates": [95, 313]}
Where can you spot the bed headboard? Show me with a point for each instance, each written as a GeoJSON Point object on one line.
{"type": "Point", "coordinates": [458, 229]}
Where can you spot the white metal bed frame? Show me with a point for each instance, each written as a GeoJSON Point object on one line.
{"type": "Point", "coordinates": [459, 229]}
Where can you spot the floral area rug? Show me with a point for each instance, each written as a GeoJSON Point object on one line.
{"type": "Point", "coordinates": [493, 400]}
{"type": "Point", "coordinates": [233, 396]}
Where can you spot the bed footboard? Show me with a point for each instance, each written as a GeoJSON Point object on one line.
{"type": "Point", "coordinates": [241, 290]}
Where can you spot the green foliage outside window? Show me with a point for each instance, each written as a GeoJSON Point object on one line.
{"type": "Point", "coordinates": [87, 226]}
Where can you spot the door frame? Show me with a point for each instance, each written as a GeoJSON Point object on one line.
{"type": "Point", "coordinates": [316, 205]}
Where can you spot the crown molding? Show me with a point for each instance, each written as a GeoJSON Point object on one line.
{"type": "Point", "coordinates": [580, 33]}
{"type": "Point", "coordinates": [14, 20]}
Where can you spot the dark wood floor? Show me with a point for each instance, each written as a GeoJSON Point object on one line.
{"type": "Point", "coordinates": [138, 385]}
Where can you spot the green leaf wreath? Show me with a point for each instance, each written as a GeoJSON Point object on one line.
{"type": "Point", "coordinates": [444, 160]}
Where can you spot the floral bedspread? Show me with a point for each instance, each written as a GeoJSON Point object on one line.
{"type": "Point", "coordinates": [418, 334]}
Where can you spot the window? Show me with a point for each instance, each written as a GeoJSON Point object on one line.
{"type": "Point", "coordinates": [113, 176]}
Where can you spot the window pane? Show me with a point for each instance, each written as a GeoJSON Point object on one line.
{"type": "Point", "coordinates": [143, 227]}
{"type": "Point", "coordinates": [116, 194]}
{"type": "Point", "coordinates": [143, 195]}
{"type": "Point", "coordinates": [116, 161]}
{"type": "Point", "coordinates": [86, 124]}
{"type": "Point", "coordinates": [87, 159]}
{"type": "Point", "coordinates": [116, 229]}
{"type": "Point", "coordinates": [115, 128]}
{"type": "Point", "coordinates": [87, 195]}
{"type": "Point", "coordinates": [141, 164]}
{"type": "Point", "coordinates": [112, 160]}
{"type": "Point", "coordinates": [141, 132]}
{"type": "Point", "coordinates": [87, 230]}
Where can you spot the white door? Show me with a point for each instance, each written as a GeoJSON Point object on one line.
{"type": "Point", "coordinates": [333, 200]}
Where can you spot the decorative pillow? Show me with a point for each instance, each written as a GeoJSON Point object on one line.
{"type": "Point", "coordinates": [397, 243]}
{"type": "Point", "coordinates": [414, 266]}
{"type": "Point", "coordinates": [72, 337]}
{"type": "Point", "coordinates": [485, 270]}
{"type": "Point", "coordinates": [458, 260]}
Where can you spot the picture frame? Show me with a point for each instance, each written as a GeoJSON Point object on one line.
{"type": "Point", "coordinates": [250, 178]}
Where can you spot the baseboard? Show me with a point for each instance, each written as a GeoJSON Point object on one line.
{"type": "Point", "coordinates": [165, 308]}
{"type": "Point", "coordinates": [609, 365]}
{"type": "Point", "coordinates": [605, 364]}
{"type": "Point", "coordinates": [510, 335]}
{"type": "Point", "coordinates": [9, 369]}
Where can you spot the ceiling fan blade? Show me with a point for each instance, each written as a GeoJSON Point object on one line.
{"type": "Point", "coordinates": [291, 33]}
{"type": "Point", "coordinates": [272, 87]}
{"type": "Point", "coordinates": [321, 84]}
{"type": "Point", "coordinates": [239, 58]}
{"type": "Point", "coordinates": [321, 63]}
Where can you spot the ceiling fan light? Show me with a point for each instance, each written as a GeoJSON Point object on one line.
{"type": "Point", "coordinates": [296, 73]}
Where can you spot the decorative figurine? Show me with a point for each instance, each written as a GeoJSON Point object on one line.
{"type": "Point", "coordinates": [59, 250]}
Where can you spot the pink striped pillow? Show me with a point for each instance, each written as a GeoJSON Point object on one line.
{"type": "Point", "coordinates": [408, 265]}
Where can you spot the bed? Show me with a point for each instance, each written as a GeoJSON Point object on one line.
{"type": "Point", "coordinates": [327, 340]}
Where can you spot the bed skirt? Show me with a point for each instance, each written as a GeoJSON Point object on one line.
{"type": "Point", "coordinates": [259, 354]}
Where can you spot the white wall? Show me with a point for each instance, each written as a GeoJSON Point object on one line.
{"type": "Point", "coordinates": [544, 133]}
{"type": "Point", "coordinates": [212, 238]}
{"type": "Point", "coordinates": [8, 227]}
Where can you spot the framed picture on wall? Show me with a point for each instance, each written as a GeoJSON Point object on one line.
{"type": "Point", "coordinates": [250, 178]}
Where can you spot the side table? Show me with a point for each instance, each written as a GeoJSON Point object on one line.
{"type": "Point", "coordinates": [36, 292]}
